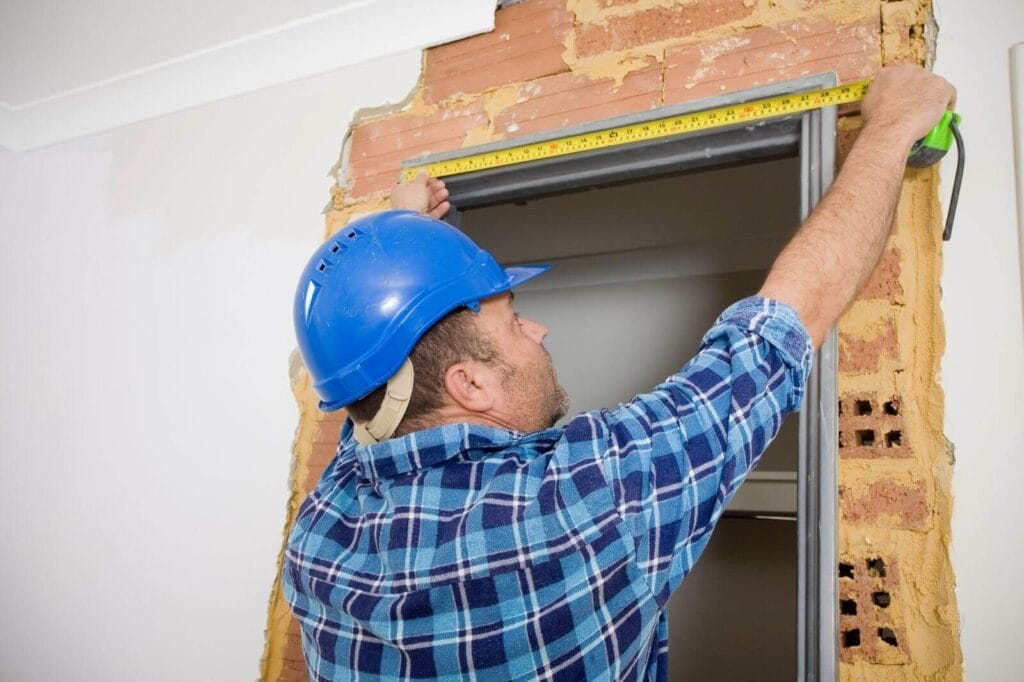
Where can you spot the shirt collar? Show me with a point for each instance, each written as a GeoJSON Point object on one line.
{"type": "Point", "coordinates": [425, 448]}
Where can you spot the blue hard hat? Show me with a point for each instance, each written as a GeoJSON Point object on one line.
{"type": "Point", "coordinates": [373, 289]}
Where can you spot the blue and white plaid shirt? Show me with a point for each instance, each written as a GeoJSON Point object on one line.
{"type": "Point", "coordinates": [470, 552]}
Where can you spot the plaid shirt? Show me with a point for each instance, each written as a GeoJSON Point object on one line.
{"type": "Point", "coordinates": [469, 552]}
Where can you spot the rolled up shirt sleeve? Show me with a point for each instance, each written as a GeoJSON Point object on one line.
{"type": "Point", "coordinates": [676, 455]}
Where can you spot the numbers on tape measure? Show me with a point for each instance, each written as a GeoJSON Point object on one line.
{"type": "Point", "coordinates": [650, 130]}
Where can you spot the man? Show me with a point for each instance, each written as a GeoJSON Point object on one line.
{"type": "Point", "coordinates": [457, 533]}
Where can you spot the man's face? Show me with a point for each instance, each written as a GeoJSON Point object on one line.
{"type": "Point", "coordinates": [533, 395]}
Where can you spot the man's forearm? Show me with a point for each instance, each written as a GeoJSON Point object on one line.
{"type": "Point", "coordinates": [829, 259]}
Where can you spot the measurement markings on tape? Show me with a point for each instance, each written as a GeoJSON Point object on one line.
{"type": "Point", "coordinates": [745, 112]}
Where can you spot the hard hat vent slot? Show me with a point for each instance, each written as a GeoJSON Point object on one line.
{"type": "Point", "coordinates": [322, 266]}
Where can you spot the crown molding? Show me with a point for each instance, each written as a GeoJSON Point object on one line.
{"type": "Point", "coordinates": [351, 34]}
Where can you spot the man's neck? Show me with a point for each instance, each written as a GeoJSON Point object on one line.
{"type": "Point", "coordinates": [455, 416]}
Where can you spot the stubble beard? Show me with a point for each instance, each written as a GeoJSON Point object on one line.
{"type": "Point", "coordinates": [559, 403]}
{"type": "Point", "coordinates": [537, 393]}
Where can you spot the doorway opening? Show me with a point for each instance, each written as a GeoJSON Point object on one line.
{"type": "Point", "coordinates": [650, 243]}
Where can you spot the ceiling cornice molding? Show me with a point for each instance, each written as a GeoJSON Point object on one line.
{"type": "Point", "coordinates": [353, 33]}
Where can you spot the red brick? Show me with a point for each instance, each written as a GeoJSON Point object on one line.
{"type": "Point", "coordinates": [889, 503]}
{"type": "Point", "coordinates": [315, 466]}
{"type": "Point", "coordinates": [657, 24]}
{"type": "Point", "coordinates": [293, 671]}
{"type": "Point", "coordinates": [769, 54]}
{"type": "Point", "coordinates": [570, 99]}
{"type": "Point", "coordinates": [404, 132]}
{"type": "Point", "coordinates": [321, 456]}
{"type": "Point", "coordinates": [527, 43]}
{"type": "Point", "coordinates": [870, 617]}
{"type": "Point", "coordinates": [846, 136]}
{"type": "Point", "coordinates": [885, 280]}
{"type": "Point", "coordinates": [803, 4]}
{"type": "Point", "coordinates": [869, 416]}
{"type": "Point", "coordinates": [335, 418]}
{"type": "Point", "coordinates": [620, 3]}
{"type": "Point", "coordinates": [327, 431]}
{"type": "Point", "coordinates": [379, 147]}
{"type": "Point", "coordinates": [859, 355]}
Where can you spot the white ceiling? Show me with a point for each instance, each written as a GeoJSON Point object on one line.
{"type": "Point", "coordinates": [50, 47]}
{"type": "Point", "coordinates": [77, 67]}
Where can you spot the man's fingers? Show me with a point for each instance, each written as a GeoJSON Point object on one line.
{"type": "Point", "coordinates": [908, 99]}
{"type": "Point", "coordinates": [439, 195]}
{"type": "Point", "coordinates": [439, 210]}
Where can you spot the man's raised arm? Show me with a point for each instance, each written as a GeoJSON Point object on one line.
{"type": "Point", "coordinates": [831, 256]}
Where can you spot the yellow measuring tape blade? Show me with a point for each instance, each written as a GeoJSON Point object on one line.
{"type": "Point", "coordinates": [746, 112]}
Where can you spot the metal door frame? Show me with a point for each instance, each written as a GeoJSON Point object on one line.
{"type": "Point", "coordinates": [811, 136]}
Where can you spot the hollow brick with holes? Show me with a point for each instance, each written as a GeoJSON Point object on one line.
{"type": "Point", "coordinates": [866, 629]}
{"type": "Point", "coordinates": [877, 415]}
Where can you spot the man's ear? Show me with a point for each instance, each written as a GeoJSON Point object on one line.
{"type": "Point", "coordinates": [471, 385]}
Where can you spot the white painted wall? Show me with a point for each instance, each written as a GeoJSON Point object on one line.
{"type": "Point", "coordinates": [983, 369]}
{"type": "Point", "coordinates": [146, 419]}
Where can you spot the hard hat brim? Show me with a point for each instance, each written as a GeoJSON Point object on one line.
{"type": "Point", "coordinates": [521, 274]}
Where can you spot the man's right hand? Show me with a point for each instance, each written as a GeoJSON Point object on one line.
{"type": "Point", "coordinates": [827, 262]}
{"type": "Point", "coordinates": [907, 101]}
{"type": "Point", "coordinates": [422, 194]}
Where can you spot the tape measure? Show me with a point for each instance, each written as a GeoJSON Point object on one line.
{"type": "Point", "coordinates": [925, 152]}
{"type": "Point", "coordinates": [746, 112]}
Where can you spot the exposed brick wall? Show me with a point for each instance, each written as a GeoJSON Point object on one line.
{"type": "Point", "coordinates": [895, 464]}
{"type": "Point", "coordinates": [505, 83]}
{"type": "Point", "coordinates": [553, 63]}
